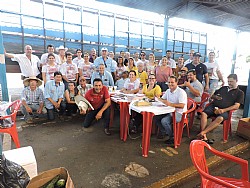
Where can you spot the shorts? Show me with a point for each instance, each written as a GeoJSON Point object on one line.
{"type": "Point", "coordinates": [209, 110]}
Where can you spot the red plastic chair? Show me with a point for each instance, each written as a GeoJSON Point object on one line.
{"type": "Point", "coordinates": [204, 99]}
{"type": "Point", "coordinates": [12, 130]}
{"type": "Point", "coordinates": [178, 127]}
{"type": "Point", "coordinates": [227, 126]}
{"type": "Point", "coordinates": [199, 160]}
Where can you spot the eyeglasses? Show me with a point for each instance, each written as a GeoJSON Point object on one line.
{"type": "Point", "coordinates": [142, 54]}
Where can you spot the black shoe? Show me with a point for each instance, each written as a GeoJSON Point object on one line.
{"type": "Point", "coordinates": [160, 136]}
{"type": "Point", "coordinates": [107, 132]}
{"type": "Point", "coordinates": [170, 141]}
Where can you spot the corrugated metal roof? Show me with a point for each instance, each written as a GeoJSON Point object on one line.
{"type": "Point", "coordinates": [229, 13]}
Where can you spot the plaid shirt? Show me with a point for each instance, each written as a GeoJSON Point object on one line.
{"type": "Point", "coordinates": [32, 97]}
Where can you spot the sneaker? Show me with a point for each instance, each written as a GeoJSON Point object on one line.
{"type": "Point", "coordinates": [29, 121]}
{"type": "Point", "coordinates": [87, 130]}
{"type": "Point", "coordinates": [170, 141]}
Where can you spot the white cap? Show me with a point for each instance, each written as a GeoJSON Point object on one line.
{"type": "Point", "coordinates": [104, 49]}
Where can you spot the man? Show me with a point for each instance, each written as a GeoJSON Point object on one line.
{"type": "Point", "coordinates": [77, 60]}
{"type": "Point", "coordinates": [225, 99]}
{"type": "Point", "coordinates": [194, 88]}
{"type": "Point", "coordinates": [136, 58]}
{"type": "Point", "coordinates": [29, 63]}
{"type": "Point", "coordinates": [200, 69]}
{"type": "Point", "coordinates": [126, 60]}
{"type": "Point", "coordinates": [32, 99]}
{"type": "Point", "coordinates": [53, 94]}
{"type": "Point", "coordinates": [62, 50]}
{"type": "Point", "coordinates": [92, 55]}
{"type": "Point", "coordinates": [69, 70]}
{"type": "Point", "coordinates": [104, 75]}
{"type": "Point", "coordinates": [104, 59]}
{"type": "Point", "coordinates": [171, 62]}
{"type": "Point", "coordinates": [191, 53]}
{"type": "Point", "coordinates": [214, 73]}
{"type": "Point", "coordinates": [99, 98]}
{"type": "Point", "coordinates": [122, 54]}
{"type": "Point", "coordinates": [175, 97]}
{"type": "Point", "coordinates": [179, 66]}
{"type": "Point", "coordinates": [44, 57]}
{"type": "Point", "coordinates": [143, 58]}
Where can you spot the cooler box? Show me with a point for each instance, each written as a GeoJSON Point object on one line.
{"type": "Point", "coordinates": [244, 128]}
{"type": "Point", "coordinates": [25, 157]}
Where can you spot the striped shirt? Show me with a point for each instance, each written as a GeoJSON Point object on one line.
{"type": "Point", "coordinates": [32, 97]}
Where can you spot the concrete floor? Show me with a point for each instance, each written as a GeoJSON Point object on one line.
{"type": "Point", "coordinates": [96, 160]}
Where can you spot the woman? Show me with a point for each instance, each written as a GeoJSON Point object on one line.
{"type": "Point", "coordinates": [131, 85]}
{"type": "Point", "coordinates": [85, 68]}
{"type": "Point", "coordinates": [131, 66]}
{"type": "Point", "coordinates": [162, 73]}
{"type": "Point", "coordinates": [83, 87]}
{"type": "Point", "coordinates": [49, 69]}
{"type": "Point", "coordinates": [120, 68]}
{"type": "Point", "coordinates": [69, 94]}
{"type": "Point", "coordinates": [150, 66]}
{"type": "Point", "coordinates": [151, 90]}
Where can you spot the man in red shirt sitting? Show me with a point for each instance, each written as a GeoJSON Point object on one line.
{"type": "Point", "coordinates": [99, 98]}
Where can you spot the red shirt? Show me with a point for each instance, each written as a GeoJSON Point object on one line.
{"type": "Point", "coordinates": [97, 99]}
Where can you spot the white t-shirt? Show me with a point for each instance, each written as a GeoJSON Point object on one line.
{"type": "Point", "coordinates": [78, 61]}
{"type": "Point", "coordinates": [87, 70]}
{"type": "Point", "coordinates": [177, 96]}
{"type": "Point", "coordinates": [212, 69]}
{"type": "Point", "coordinates": [49, 71]}
{"type": "Point", "coordinates": [69, 70]}
{"type": "Point", "coordinates": [131, 85]}
{"type": "Point", "coordinates": [28, 68]}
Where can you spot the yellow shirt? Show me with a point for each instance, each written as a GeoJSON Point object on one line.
{"type": "Point", "coordinates": [153, 92]}
{"type": "Point", "coordinates": [143, 77]}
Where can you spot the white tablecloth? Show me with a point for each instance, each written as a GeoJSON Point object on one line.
{"type": "Point", "coordinates": [157, 108]}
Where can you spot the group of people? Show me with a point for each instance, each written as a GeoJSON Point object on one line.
{"type": "Point", "coordinates": [65, 78]}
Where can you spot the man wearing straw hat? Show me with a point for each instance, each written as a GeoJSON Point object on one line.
{"type": "Point", "coordinates": [32, 99]}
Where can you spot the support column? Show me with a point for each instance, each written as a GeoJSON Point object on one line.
{"type": "Point", "coordinates": [235, 51]}
{"type": "Point", "coordinates": [165, 37]}
{"type": "Point", "coordinates": [246, 112]}
{"type": "Point", "coordinates": [3, 81]}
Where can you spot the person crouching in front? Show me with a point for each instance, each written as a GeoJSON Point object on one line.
{"type": "Point", "coordinates": [99, 98]}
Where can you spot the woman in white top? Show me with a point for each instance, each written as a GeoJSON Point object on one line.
{"type": "Point", "coordinates": [131, 85]}
{"type": "Point", "coordinates": [150, 66]}
{"type": "Point", "coordinates": [120, 68]}
{"type": "Point", "coordinates": [49, 69]}
{"type": "Point", "coordinates": [86, 68]}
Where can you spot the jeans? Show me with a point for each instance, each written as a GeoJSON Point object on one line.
{"type": "Point", "coordinates": [61, 110]}
{"type": "Point", "coordinates": [165, 123]}
{"type": "Point", "coordinates": [90, 116]}
{"type": "Point", "coordinates": [34, 114]}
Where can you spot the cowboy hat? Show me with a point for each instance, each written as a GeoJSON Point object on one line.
{"type": "Point", "coordinates": [26, 81]}
{"type": "Point", "coordinates": [82, 103]}
{"type": "Point", "coordinates": [61, 47]}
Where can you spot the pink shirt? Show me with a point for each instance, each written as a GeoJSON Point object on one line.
{"type": "Point", "coordinates": [163, 74]}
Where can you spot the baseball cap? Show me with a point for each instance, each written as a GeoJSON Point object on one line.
{"type": "Point", "coordinates": [104, 49]}
{"type": "Point", "coordinates": [197, 54]}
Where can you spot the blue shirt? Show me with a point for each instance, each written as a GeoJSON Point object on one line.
{"type": "Point", "coordinates": [107, 78]}
{"type": "Point", "coordinates": [120, 83]}
{"type": "Point", "coordinates": [53, 91]}
{"type": "Point", "coordinates": [110, 65]}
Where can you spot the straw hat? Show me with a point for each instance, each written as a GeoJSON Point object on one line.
{"type": "Point", "coordinates": [26, 81]}
{"type": "Point", "coordinates": [61, 47]}
{"type": "Point", "coordinates": [82, 103]}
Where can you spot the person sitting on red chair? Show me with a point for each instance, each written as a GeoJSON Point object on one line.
{"type": "Point", "coordinates": [224, 99]}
